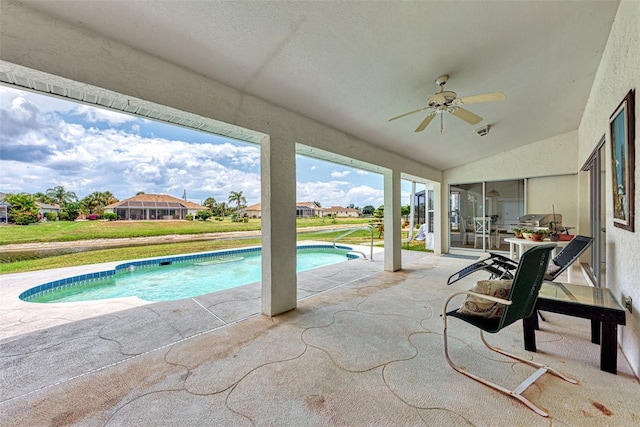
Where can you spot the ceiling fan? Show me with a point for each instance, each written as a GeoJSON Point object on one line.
{"type": "Point", "coordinates": [448, 101]}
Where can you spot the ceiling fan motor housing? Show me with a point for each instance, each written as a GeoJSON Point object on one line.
{"type": "Point", "coordinates": [442, 98]}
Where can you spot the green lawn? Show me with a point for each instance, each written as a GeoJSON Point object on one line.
{"type": "Point", "coordinates": [66, 231]}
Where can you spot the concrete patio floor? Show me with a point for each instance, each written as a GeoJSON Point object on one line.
{"type": "Point", "coordinates": [363, 348]}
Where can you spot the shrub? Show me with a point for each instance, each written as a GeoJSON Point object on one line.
{"type": "Point", "coordinates": [51, 216]}
{"type": "Point", "coordinates": [92, 217]}
{"type": "Point", "coordinates": [203, 215]}
{"type": "Point", "coordinates": [245, 219]}
{"type": "Point", "coordinates": [26, 217]}
{"type": "Point", "coordinates": [189, 217]}
{"type": "Point", "coordinates": [110, 216]}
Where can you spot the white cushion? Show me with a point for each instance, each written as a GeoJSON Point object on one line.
{"type": "Point", "coordinates": [553, 268]}
{"type": "Point", "coordinates": [477, 306]}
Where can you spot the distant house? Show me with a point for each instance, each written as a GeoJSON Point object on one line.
{"type": "Point", "coordinates": [303, 210]}
{"type": "Point", "coordinates": [341, 212]}
{"type": "Point", "coordinates": [4, 209]}
{"type": "Point", "coordinates": [44, 208]}
{"type": "Point", "coordinates": [154, 207]}
{"type": "Point", "coordinates": [308, 209]}
{"type": "Point", "coordinates": [4, 212]}
{"type": "Point", "coordinates": [252, 211]}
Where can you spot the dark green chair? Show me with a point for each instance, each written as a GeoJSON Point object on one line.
{"type": "Point", "coordinates": [519, 304]}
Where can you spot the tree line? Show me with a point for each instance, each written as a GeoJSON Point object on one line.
{"type": "Point", "coordinates": [23, 208]}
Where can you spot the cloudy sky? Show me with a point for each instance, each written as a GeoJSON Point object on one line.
{"type": "Point", "coordinates": [46, 142]}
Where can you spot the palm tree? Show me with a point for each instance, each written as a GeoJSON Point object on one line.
{"type": "Point", "coordinates": [43, 198]}
{"type": "Point", "coordinates": [91, 202]}
{"type": "Point", "coordinates": [210, 202]}
{"type": "Point", "coordinates": [236, 196]}
{"type": "Point", "coordinates": [61, 196]}
{"type": "Point", "coordinates": [108, 198]}
{"type": "Point", "coordinates": [222, 206]}
{"type": "Point", "coordinates": [96, 201]}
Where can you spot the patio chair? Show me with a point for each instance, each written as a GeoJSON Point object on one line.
{"type": "Point", "coordinates": [519, 304]}
{"type": "Point", "coordinates": [482, 230]}
{"type": "Point", "coordinates": [501, 267]}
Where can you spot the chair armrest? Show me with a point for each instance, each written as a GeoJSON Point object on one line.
{"type": "Point", "coordinates": [490, 298]}
{"type": "Point", "coordinates": [480, 265]}
{"type": "Point", "coordinates": [501, 258]}
{"type": "Point", "coordinates": [475, 294]}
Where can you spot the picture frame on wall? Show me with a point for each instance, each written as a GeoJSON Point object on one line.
{"type": "Point", "coordinates": [622, 137]}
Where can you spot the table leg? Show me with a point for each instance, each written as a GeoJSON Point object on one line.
{"type": "Point", "coordinates": [595, 331]}
{"type": "Point", "coordinates": [529, 330]}
{"type": "Point", "coordinates": [511, 250]}
{"type": "Point", "coordinates": [569, 275]}
{"type": "Point", "coordinates": [609, 348]}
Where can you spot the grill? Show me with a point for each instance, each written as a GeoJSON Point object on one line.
{"type": "Point", "coordinates": [533, 221]}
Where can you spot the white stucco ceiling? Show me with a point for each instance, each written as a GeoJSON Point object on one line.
{"type": "Point", "coordinates": [353, 64]}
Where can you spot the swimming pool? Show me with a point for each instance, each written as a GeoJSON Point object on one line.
{"type": "Point", "coordinates": [172, 278]}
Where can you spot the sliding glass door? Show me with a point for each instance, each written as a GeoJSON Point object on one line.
{"type": "Point", "coordinates": [497, 203]}
{"type": "Point", "coordinates": [595, 167]}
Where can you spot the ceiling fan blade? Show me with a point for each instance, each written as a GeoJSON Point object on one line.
{"type": "Point", "coordinates": [465, 115]}
{"type": "Point", "coordinates": [410, 112]}
{"type": "Point", "coordinates": [487, 97]}
{"type": "Point", "coordinates": [425, 122]}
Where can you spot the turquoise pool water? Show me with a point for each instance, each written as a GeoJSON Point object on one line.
{"type": "Point", "coordinates": [175, 278]}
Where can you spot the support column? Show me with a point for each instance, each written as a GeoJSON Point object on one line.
{"type": "Point", "coordinates": [392, 221]}
{"type": "Point", "coordinates": [278, 186]}
{"type": "Point", "coordinates": [438, 212]}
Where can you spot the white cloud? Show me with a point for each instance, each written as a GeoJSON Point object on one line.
{"type": "Point", "coordinates": [339, 174]}
{"type": "Point", "coordinates": [95, 115]}
{"type": "Point", "coordinates": [365, 195]}
{"type": "Point", "coordinates": [334, 193]}
{"type": "Point", "coordinates": [313, 168]}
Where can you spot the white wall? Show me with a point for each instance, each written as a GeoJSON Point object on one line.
{"type": "Point", "coordinates": [619, 72]}
{"type": "Point", "coordinates": [553, 156]}
{"type": "Point", "coordinates": [559, 191]}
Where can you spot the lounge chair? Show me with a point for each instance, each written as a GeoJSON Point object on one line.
{"type": "Point", "coordinates": [501, 267]}
{"type": "Point", "coordinates": [483, 310]}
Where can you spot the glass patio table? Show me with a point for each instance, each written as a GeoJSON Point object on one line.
{"type": "Point", "coordinates": [597, 304]}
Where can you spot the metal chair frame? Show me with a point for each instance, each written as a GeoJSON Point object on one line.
{"type": "Point", "coordinates": [519, 305]}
